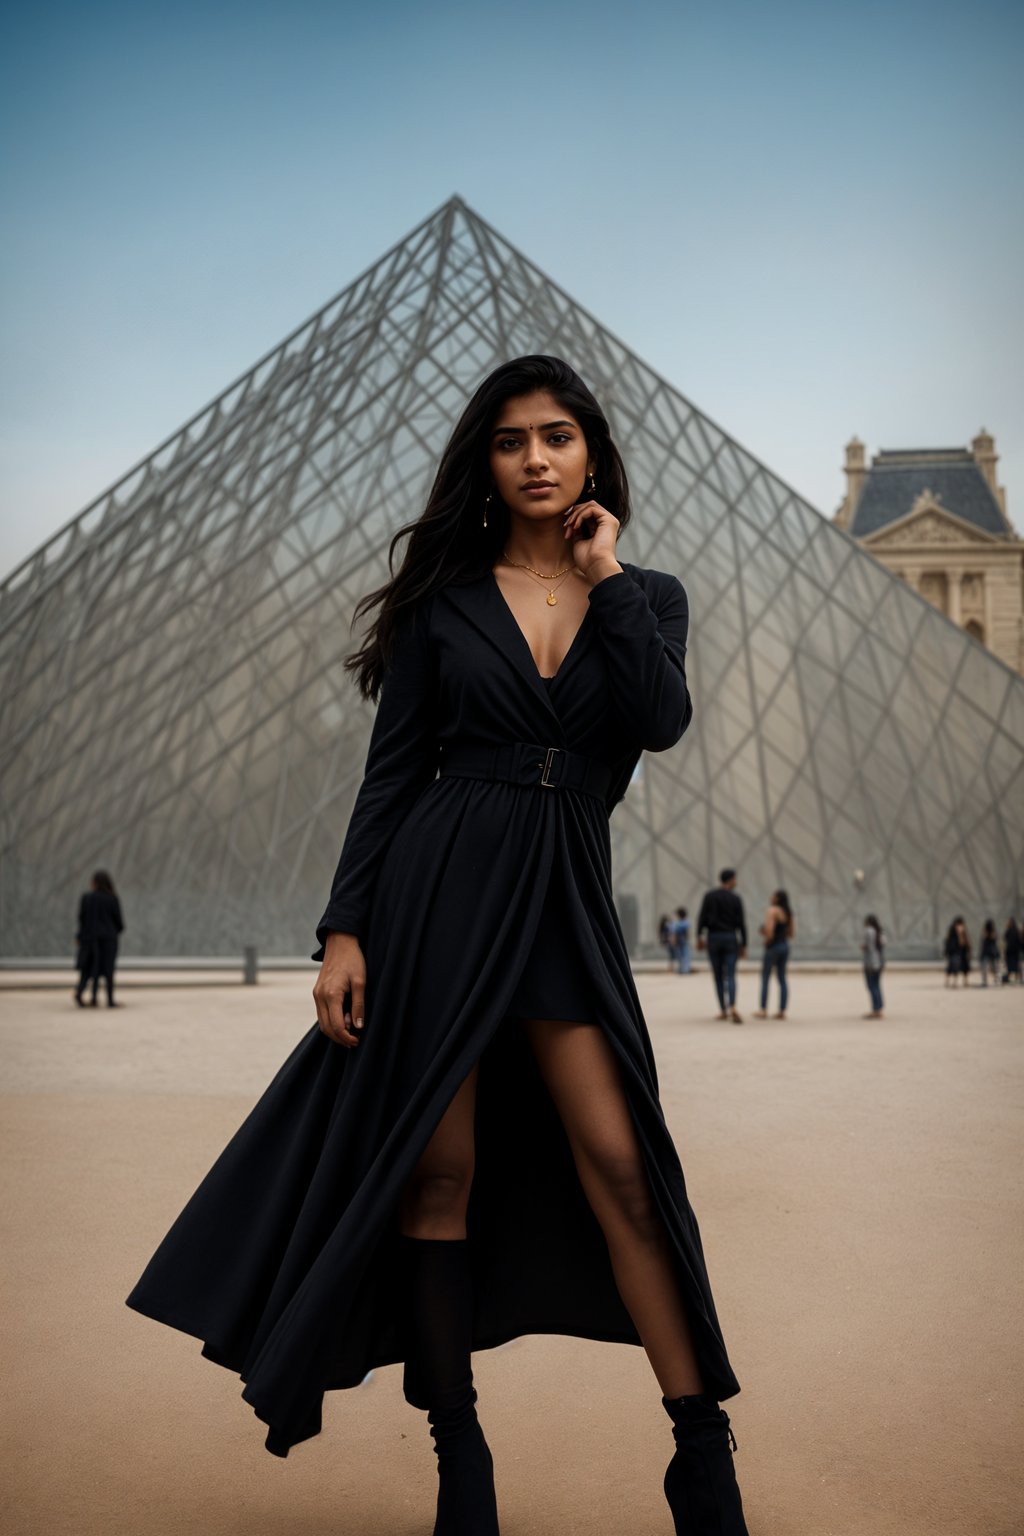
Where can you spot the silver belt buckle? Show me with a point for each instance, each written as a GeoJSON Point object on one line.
{"type": "Point", "coordinates": [547, 766]}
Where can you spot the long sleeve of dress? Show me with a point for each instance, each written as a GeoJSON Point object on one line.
{"type": "Point", "coordinates": [645, 646]}
{"type": "Point", "coordinates": [400, 762]}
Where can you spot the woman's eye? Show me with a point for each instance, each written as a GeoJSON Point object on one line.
{"type": "Point", "coordinates": [560, 437]}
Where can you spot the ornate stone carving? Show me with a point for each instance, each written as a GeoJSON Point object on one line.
{"type": "Point", "coordinates": [926, 499]}
{"type": "Point", "coordinates": [933, 526]}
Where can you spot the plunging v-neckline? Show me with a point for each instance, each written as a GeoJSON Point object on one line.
{"type": "Point", "coordinates": [526, 644]}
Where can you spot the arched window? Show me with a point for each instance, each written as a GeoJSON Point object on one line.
{"type": "Point", "coordinates": [976, 630]}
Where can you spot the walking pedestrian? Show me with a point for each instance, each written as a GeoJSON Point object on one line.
{"type": "Point", "coordinates": [517, 654]}
{"type": "Point", "coordinates": [873, 949]}
{"type": "Point", "coordinates": [1011, 952]}
{"type": "Point", "coordinates": [958, 952]}
{"type": "Point", "coordinates": [778, 929]}
{"type": "Point", "coordinates": [988, 953]}
{"type": "Point", "coordinates": [681, 934]}
{"type": "Point", "coordinates": [721, 918]}
{"type": "Point", "coordinates": [99, 924]}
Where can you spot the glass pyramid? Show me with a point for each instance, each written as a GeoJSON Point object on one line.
{"type": "Point", "coordinates": [174, 708]}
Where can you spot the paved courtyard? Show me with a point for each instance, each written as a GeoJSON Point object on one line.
{"type": "Point", "coordinates": [858, 1186]}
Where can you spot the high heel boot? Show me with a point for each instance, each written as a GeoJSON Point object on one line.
{"type": "Point", "coordinates": [466, 1504]}
{"type": "Point", "coordinates": [700, 1482]}
{"type": "Point", "coordinates": [440, 1301]}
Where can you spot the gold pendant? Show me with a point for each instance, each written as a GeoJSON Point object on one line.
{"type": "Point", "coordinates": [552, 599]}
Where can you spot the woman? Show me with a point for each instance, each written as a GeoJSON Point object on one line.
{"type": "Point", "coordinates": [99, 924]}
{"type": "Point", "coordinates": [873, 949]}
{"type": "Point", "coordinates": [958, 952]}
{"type": "Point", "coordinates": [777, 929]}
{"type": "Point", "coordinates": [468, 1145]}
{"type": "Point", "coordinates": [988, 954]}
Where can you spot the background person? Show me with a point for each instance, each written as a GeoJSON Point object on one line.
{"type": "Point", "coordinates": [1011, 952]}
{"type": "Point", "coordinates": [721, 917]}
{"type": "Point", "coordinates": [958, 952]}
{"type": "Point", "coordinates": [681, 936]}
{"type": "Point", "coordinates": [988, 953]}
{"type": "Point", "coordinates": [99, 924]}
{"type": "Point", "coordinates": [777, 929]}
{"type": "Point", "coordinates": [873, 949]}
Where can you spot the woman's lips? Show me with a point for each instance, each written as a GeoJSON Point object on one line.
{"type": "Point", "coordinates": [538, 490]}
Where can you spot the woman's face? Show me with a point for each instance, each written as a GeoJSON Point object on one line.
{"type": "Point", "coordinates": [538, 456]}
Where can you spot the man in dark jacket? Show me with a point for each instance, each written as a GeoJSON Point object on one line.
{"type": "Point", "coordinates": [99, 923]}
{"type": "Point", "coordinates": [721, 918]}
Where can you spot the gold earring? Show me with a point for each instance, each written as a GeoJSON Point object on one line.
{"type": "Point", "coordinates": [486, 505]}
{"type": "Point", "coordinates": [592, 487]}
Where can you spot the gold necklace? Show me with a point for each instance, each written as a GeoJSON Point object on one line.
{"type": "Point", "coordinates": [546, 579]}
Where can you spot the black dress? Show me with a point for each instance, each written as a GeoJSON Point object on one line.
{"type": "Point", "coordinates": [554, 983]}
{"type": "Point", "coordinates": [476, 873]}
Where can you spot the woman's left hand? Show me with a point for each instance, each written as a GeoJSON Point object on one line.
{"type": "Point", "coordinates": [599, 549]}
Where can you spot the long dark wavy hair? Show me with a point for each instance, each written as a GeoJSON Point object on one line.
{"type": "Point", "coordinates": [448, 542]}
{"type": "Point", "coordinates": [781, 899]}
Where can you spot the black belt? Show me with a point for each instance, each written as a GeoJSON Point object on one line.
{"type": "Point", "coordinates": [522, 762]}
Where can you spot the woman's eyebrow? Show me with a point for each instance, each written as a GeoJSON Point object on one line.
{"type": "Point", "coordinates": [547, 426]}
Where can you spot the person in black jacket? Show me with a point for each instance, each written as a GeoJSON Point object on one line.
{"type": "Point", "coordinates": [988, 953]}
{"type": "Point", "coordinates": [99, 923]}
{"type": "Point", "coordinates": [958, 952]}
{"type": "Point", "coordinates": [477, 1028]}
{"type": "Point", "coordinates": [721, 917]}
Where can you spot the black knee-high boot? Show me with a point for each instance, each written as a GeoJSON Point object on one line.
{"type": "Point", "coordinates": [700, 1482]}
{"type": "Point", "coordinates": [440, 1304]}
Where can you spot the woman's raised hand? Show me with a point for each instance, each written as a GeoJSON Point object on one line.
{"type": "Point", "coordinates": [596, 553]}
{"type": "Point", "coordinates": [342, 972]}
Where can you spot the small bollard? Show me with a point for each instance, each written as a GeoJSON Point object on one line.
{"type": "Point", "coordinates": [249, 974]}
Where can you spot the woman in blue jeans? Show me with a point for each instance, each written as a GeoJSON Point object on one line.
{"type": "Point", "coordinates": [681, 935]}
{"type": "Point", "coordinates": [777, 929]}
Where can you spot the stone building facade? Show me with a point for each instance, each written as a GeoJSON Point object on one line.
{"type": "Point", "coordinates": [937, 518]}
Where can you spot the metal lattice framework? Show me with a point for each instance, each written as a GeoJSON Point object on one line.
{"type": "Point", "coordinates": [174, 708]}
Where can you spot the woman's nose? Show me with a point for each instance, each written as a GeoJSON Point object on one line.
{"type": "Point", "coordinates": [535, 455]}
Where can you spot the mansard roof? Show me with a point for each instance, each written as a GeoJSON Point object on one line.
{"type": "Point", "coordinates": [897, 478]}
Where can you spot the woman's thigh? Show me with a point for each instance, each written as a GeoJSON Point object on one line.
{"type": "Point", "coordinates": [440, 1183]}
{"type": "Point", "coordinates": [582, 1075]}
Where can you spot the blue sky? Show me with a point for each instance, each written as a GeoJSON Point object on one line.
{"type": "Point", "coordinates": [808, 217]}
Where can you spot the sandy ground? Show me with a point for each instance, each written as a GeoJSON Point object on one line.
{"type": "Point", "coordinates": [858, 1187]}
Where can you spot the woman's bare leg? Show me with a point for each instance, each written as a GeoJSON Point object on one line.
{"type": "Point", "coordinates": [436, 1196]}
{"type": "Point", "coordinates": [436, 1273]}
{"type": "Point", "coordinates": [582, 1076]}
